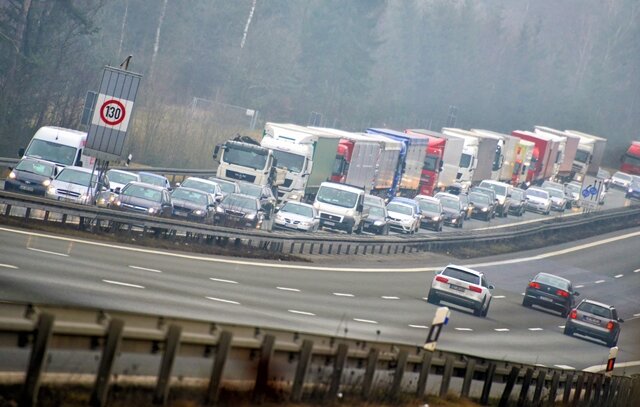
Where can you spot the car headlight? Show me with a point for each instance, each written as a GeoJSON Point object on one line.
{"type": "Point", "coordinates": [46, 182]}
{"type": "Point", "coordinates": [294, 197]}
{"type": "Point", "coordinates": [12, 175]}
{"type": "Point", "coordinates": [630, 190]}
{"type": "Point", "coordinates": [378, 223]}
{"type": "Point", "coordinates": [83, 197]}
{"type": "Point", "coordinates": [151, 210]}
{"type": "Point", "coordinates": [219, 209]}
{"type": "Point", "coordinates": [485, 209]}
{"type": "Point", "coordinates": [305, 224]}
{"type": "Point", "coordinates": [51, 190]}
{"type": "Point", "coordinates": [198, 212]}
{"type": "Point", "coordinates": [101, 201]}
{"type": "Point", "coordinates": [436, 218]}
{"type": "Point", "coordinates": [350, 212]}
{"type": "Point", "coordinates": [118, 203]}
{"type": "Point", "coordinates": [250, 216]}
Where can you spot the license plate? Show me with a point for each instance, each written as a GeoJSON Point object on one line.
{"type": "Point", "coordinates": [592, 320]}
{"type": "Point", "coordinates": [26, 188]}
{"type": "Point", "coordinates": [456, 287]}
{"type": "Point", "coordinates": [328, 223]}
{"type": "Point", "coordinates": [546, 299]}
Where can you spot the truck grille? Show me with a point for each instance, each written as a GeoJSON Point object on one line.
{"type": "Point", "coordinates": [240, 176]}
{"type": "Point", "coordinates": [69, 194]}
{"type": "Point", "coordinates": [287, 182]}
{"type": "Point", "coordinates": [332, 218]}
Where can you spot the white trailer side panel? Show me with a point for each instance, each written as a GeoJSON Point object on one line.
{"type": "Point", "coordinates": [362, 169]}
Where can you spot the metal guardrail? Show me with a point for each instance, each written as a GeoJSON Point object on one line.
{"type": "Point", "coordinates": [291, 243]}
{"type": "Point", "coordinates": [302, 366]}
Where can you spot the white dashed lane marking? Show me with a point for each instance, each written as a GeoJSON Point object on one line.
{"type": "Point", "coordinates": [9, 266]}
{"type": "Point", "coordinates": [536, 329]}
{"type": "Point", "coordinates": [288, 289]}
{"type": "Point", "coordinates": [122, 284]}
{"type": "Point", "coordinates": [145, 269]}
{"type": "Point", "coordinates": [579, 286]}
{"type": "Point", "coordinates": [222, 300]}
{"type": "Point", "coordinates": [501, 329]}
{"type": "Point", "coordinates": [221, 280]}
{"type": "Point", "coordinates": [498, 297]}
{"type": "Point", "coordinates": [636, 271]}
{"type": "Point", "coordinates": [418, 326]}
{"type": "Point", "coordinates": [599, 282]}
{"type": "Point", "coordinates": [561, 326]}
{"type": "Point", "coordinates": [48, 252]}
{"type": "Point", "coordinates": [618, 276]}
{"type": "Point", "coordinates": [464, 329]}
{"type": "Point", "coordinates": [387, 297]}
{"type": "Point", "coordinates": [293, 311]}
{"type": "Point", "coordinates": [366, 321]}
{"type": "Point", "coordinates": [343, 295]}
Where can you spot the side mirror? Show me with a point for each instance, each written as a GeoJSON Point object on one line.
{"type": "Point", "coordinates": [492, 287]}
{"type": "Point", "coordinates": [177, 184]}
{"type": "Point", "coordinates": [103, 189]}
{"type": "Point", "coordinates": [218, 198]}
{"type": "Point", "coordinates": [576, 293]}
{"type": "Point", "coordinates": [620, 320]}
{"type": "Point", "coordinates": [80, 163]}
{"type": "Point", "coordinates": [360, 208]}
{"type": "Point", "coordinates": [211, 206]}
{"type": "Point", "coordinates": [216, 150]}
{"type": "Point", "coordinates": [276, 210]}
{"type": "Point", "coordinates": [21, 152]}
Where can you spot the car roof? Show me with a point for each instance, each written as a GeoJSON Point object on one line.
{"type": "Point", "coordinates": [189, 190]}
{"type": "Point", "coordinates": [553, 276]}
{"type": "Point", "coordinates": [206, 181]}
{"type": "Point", "coordinates": [598, 303]}
{"type": "Point", "coordinates": [79, 169]}
{"type": "Point", "coordinates": [447, 195]}
{"type": "Point", "coordinates": [467, 269]}
{"type": "Point", "coordinates": [536, 189]}
{"type": "Point", "coordinates": [298, 203]}
{"type": "Point", "coordinates": [426, 198]}
{"type": "Point", "coordinates": [494, 182]}
{"type": "Point", "coordinates": [151, 174]}
{"type": "Point", "coordinates": [147, 185]}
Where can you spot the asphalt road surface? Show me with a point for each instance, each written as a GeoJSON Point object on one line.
{"type": "Point", "coordinates": [386, 303]}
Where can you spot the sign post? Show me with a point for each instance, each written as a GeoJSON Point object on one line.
{"type": "Point", "coordinates": [613, 353]}
{"type": "Point", "coordinates": [439, 320]}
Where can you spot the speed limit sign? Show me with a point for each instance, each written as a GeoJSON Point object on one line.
{"type": "Point", "coordinates": [112, 112]}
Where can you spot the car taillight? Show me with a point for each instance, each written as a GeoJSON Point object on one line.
{"type": "Point", "coordinates": [562, 293]}
{"type": "Point", "coordinates": [534, 285]}
{"type": "Point", "coordinates": [475, 288]}
{"type": "Point", "coordinates": [442, 279]}
{"type": "Point", "coordinates": [573, 314]}
{"type": "Point", "coordinates": [610, 325]}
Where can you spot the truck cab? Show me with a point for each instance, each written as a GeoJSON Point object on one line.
{"type": "Point", "coordinates": [64, 147]}
{"type": "Point", "coordinates": [522, 161]}
{"type": "Point", "coordinates": [433, 160]}
{"type": "Point", "coordinates": [341, 207]}
{"type": "Point", "coordinates": [631, 159]}
{"type": "Point", "coordinates": [240, 161]}
{"type": "Point", "coordinates": [469, 157]}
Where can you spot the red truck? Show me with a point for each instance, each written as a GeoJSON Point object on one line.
{"type": "Point", "coordinates": [432, 160]}
{"type": "Point", "coordinates": [631, 159]}
{"type": "Point", "coordinates": [542, 159]}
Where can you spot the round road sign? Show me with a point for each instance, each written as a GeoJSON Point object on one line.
{"type": "Point", "coordinates": [112, 112]}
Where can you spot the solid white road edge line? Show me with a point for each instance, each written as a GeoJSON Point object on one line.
{"type": "Point", "coordinates": [366, 321]}
{"type": "Point", "coordinates": [222, 300]}
{"type": "Point", "coordinates": [599, 282]}
{"type": "Point", "coordinates": [619, 276]}
{"type": "Point", "coordinates": [418, 326]}
{"type": "Point", "coordinates": [601, 368]}
{"type": "Point", "coordinates": [463, 329]}
{"type": "Point", "coordinates": [300, 267]}
{"type": "Point", "coordinates": [48, 252]}
{"type": "Point", "coordinates": [123, 284]}
{"type": "Point", "coordinates": [293, 311]}
{"type": "Point", "coordinates": [288, 289]}
{"type": "Point", "coordinates": [388, 297]}
{"type": "Point", "coordinates": [145, 269]}
{"type": "Point", "coordinates": [536, 329]}
{"type": "Point", "coordinates": [222, 280]}
{"type": "Point", "coordinates": [9, 266]}
{"type": "Point", "coordinates": [565, 367]}
{"type": "Point", "coordinates": [343, 295]}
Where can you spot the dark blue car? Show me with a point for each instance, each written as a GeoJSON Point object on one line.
{"type": "Point", "coordinates": [31, 176]}
{"type": "Point", "coordinates": [633, 192]}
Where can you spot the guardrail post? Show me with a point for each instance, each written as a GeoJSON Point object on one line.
{"type": "Point", "coordinates": [597, 391]}
{"type": "Point", "coordinates": [508, 388]}
{"type": "Point", "coordinates": [367, 382]}
{"type": "Point", "coordinates": [613, 388]}
{"type": "Point", "coordinates": [400, 368]}
{"type": "Point", "coordinates": [7, 210]}
{"type": "Point", "coordinates": [606, 388]}
{"type": "Point", "coordinates": [42, 336]}
{"type": "Point", "coordinates": [524, 389]}
{"type": "Point", "coordinates": [172, 343]}
{"type": "Point", "coordinates": [568, 385]}
{"type": "Point", "coordinates": [27, 214]}
{"type": "Point", "coordinates": [537, 395]}
{"type": "Point", "coordinates": [222, 352]}
{"type": "Point", "coordinates": [468, 378]}
{"type": "Point", "coordinates": [446, 375]}
{"type": "Point", "coordinates": [338, 367]}
{"type": "Point", "coordinates": [588, 389]}
{"type": "Point", "coordinates": [424, 373]}
{"type": "Point", "coordinates": [262, 377]}
{"type": "Point", "coordinates": [576, 394]}
{"type": "Point", "coordinates": [301, 370]}
{"type": "Point", "coordinates": [111, 346]}
{"type": "Point", "coordinates": [553, 390]}
{"type": "Point", "coordinates": [488, 381]}
{"type": "Point", "coordinates": [339, 248]}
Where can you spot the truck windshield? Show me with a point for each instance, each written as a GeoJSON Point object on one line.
{"type": "Point", "coordinates": [629, 159]}
{"type": "Point", "coordinates": [290, 161]}
{"type": "Point", "coordinates": [245, 157]}
{"type": "Point", "coordinates": [465, 160]}
{"type": "Point", "coordinates": [337, 197]}
{"type": "Point", "coordinates": [430, 163]}
{"type": "Point", "coordinates": [46, 150]}
{"type": "Point", "coordinates": [75, 177]}
{"type": "Point", "coordinates": [582, 156]}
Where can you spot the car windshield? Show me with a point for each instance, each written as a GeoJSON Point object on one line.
{"type": "Point", "coordinates": [552, 281]}
{"type": "Point", "coordinates": [449, 203]}
{"type": "Point", "coordinates": [622, 176]}
{"type": "Point", "coordinates": [290, 161]}
{"type": "Point", "coordinates": [555, 193]}
{"type": "Point", "coordinates": [635, 184]}
{"type": "Point", "coordinates": [191, 196]}
{"type": "Point", "coordinates": [376, 211]}
{"type": "Point", "coordinates": [499, 189]}
{"type": "Point", "coordinates": [36, 167]}
{"type": "Point", "coordinates": [226, 187]}
{"type": "Point", "coordinates": [142, 192]}
{"type": "Point", "coordinates": [399, 208]}
{"type": "Point", "coordinates": [200, 185]}
{"type": "Point", "coordinates": [152, 179]}
{"type": "Point", "coordinates": [428, 206]}
{"type": "Point", "coordinates": [251, 190]}
{"type": "Point", "coordinates": [373, 200]}
{"type": "Point", "coordinates": [461, 275]}
{"type": "Point", "coordinates": [573, 188]}
{"type": "Point", "coordinates": [240, 202]}
{"type": "Point", "coordinates": [75, 177]}
{"type": "Point", "coordinates": [338, 197]}
{"type": "Point", "coordinates": [477, 197]}
{"type": "Point", "coordinates": [251, 157]}
{"type": "Point", "coordinates": [465, 160]}
{"type": "Point", "coordinates": [46, 150]}
{"type": "Point", "coordinates": [595, 309]}
{"type": "Point", "coordinates": [121, 177]}
{"type": "Point", "coordinates": [297, 209]}
{"type": "Point", "coordinates": [537, 193]}
{"type": "Point", "coordinates": [517, 194]}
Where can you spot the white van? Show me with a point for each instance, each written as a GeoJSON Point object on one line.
{"type": "Point", "coordinates": [62, 146]}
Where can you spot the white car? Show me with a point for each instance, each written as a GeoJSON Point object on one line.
{"type": "Point", "coordinates": [462, 286]}
{"type": "Point", "coordinates": [538, 200]}
{"type": "Point", "coordinates": [403, 215]}
{"type": "Point", "coordinates": [297, 216]}
{"type": "Point", "coordinates": [558, 199]}
{"type": "Point", "coordinates": [72, 184]}
{"type": "Point", "coordinates": [210, 187]}
{"type": "Point", "coordinates": [120, 178]}
{"type": "Point", "coordinates": [621, 180]}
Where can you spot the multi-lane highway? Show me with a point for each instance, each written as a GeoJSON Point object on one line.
{"type": "Point", "coordinates": [386, 302]}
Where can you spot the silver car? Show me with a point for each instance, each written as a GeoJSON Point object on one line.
{"type": "Point", "coordinates": [558, 199]}
{"type": "Point", "coordinates": [76, 184]}
{"type": "Point", "coordinates": [297, 216]}
{"type": "Point", "coordinates": [462, 286]}
{"type": "Point", "coordinates": [538, 200]}
{"type": "Point", "coordinates": [594, 319]}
